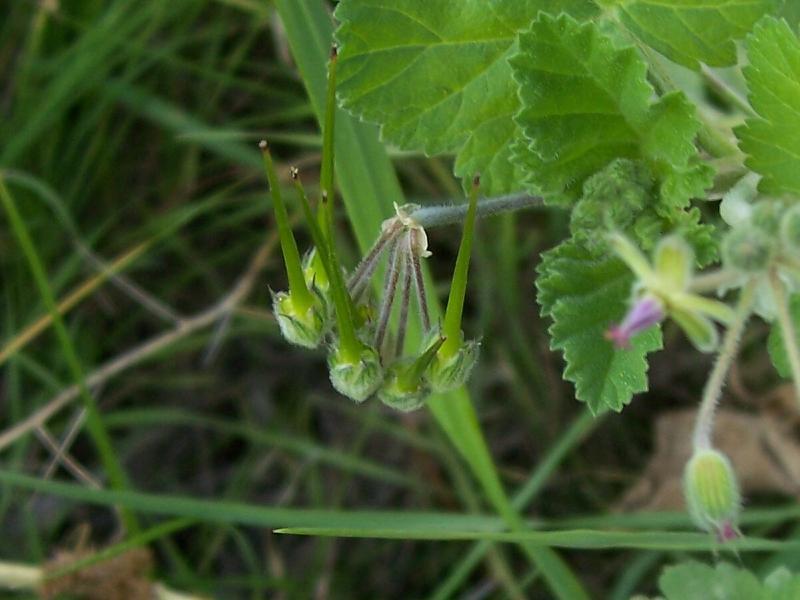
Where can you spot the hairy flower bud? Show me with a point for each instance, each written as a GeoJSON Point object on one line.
{"type": "Point", "coordinates": [747, 249]}
{"type": "Point", "coordinates": [766, 216]}
{"type": "Point", "coordinates": [359, 379]}
{"type": "Point", "coordinates": [302, 328]}
{"type": "Point", "coordinates": [790, 231]}
{"type": "Point", "coordinates": [712, 493]}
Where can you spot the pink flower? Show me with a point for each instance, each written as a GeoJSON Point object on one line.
{"type": "Point", "coordinates": [645, 312]}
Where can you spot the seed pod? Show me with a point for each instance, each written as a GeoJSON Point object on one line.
{"type": "Point", "coordinates": [405, 387]}
{"type": "Point", "coordinates": [314, 272]}
{"type": "Point", "coordinates": [747, 249]}
{"type": "Point", "coordinates": [449, 372]}
{"type": "Point", "coordinates": [304, 328]}
{"type": "Point", "coordinates": [790, 231]}
{"type": "Point", "coordinates": [357, 379]}
{"type": "Point", "coordinates": [395, 394]}
{"type": "Point", "coordinates": [712, 493]}
{"type": "Point", "coordinates": [456, 358]}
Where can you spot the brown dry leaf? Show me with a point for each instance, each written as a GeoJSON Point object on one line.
{"type": "Point", "coordinates": [763, 449]}
{"type": "Point", "coordinates": [123, 577]}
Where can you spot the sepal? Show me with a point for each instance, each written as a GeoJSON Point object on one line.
{"type": "Point", "coordinates": [449, 372]}
{"type": "Point", "coordinates": [357, 379]}
{"type": "Point", "coordinates": [306, 328]}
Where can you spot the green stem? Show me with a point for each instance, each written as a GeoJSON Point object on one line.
{"type": "Point", "coordinates": [787, 329]}
{"type": "Point", "coordinates": [328, 132]}
{"type": "Point", "coordinates": [730, 344]}
{"type": "Point", "coordinates": [94, 422]}
{"type": "Point", "coordinates": [350, 347]}
{"type": "Point", "coordinates": [458, 286]}
{"type": "Point", "coordinates": [726, 91]}
{"type": "Point", "coordinates": [300, 295]}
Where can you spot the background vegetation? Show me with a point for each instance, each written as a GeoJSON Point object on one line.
{"type": "Point", "coordinates": [128, 147]}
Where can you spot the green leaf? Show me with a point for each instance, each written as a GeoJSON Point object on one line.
{"type": "Point", "coordinates": [696, 581]}
{"type": "Point", "coordinates": [435, 75]}
{"type": "Point", "coordinates": [586, 102]}
{"type": "Point", "coordinates": [790, 10]}
{"type": "Point", "coordinates": [690, 32]}
{"type": "Point", "coordinates": [583, 295]}
{"type": "Point", "coordinates": [775, 346]}
{"type": "Point", "coordinates": [772, 139]}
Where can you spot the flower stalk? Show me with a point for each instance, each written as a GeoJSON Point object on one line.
{"type": "Point", "coordinates": [713, 389]}
{"type": "Point", "coordinates": [328, 143]}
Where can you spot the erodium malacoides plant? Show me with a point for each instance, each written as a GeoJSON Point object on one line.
{"type": "Point", "coordinates": [681, 210]}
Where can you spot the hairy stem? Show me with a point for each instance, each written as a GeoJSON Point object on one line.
{"type": "Point", "coordinates": [396, 264]}
{"type": "Point", "coordinates": [419, 287]}
{"type": "Point", "coordinates": [713, 389]}
{"type": "Point", "coordinates": [405, 301]}
{"type": "Point", "coordinates": [711, 281]}
{"type": "Point", "coordinates": [787, 328]}
{"type": "Point", "coordinates": [436, 216]}
{"type": "Point", "coordinates": [366, 268]}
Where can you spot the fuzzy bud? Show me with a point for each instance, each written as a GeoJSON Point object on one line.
{"type": "Point", "coordinates": [302, 328]}
{"type": "Point", "coordinates": [356, 380]}
{"type": "Point", "coordinates": [747, 249]}
{"type": "Point", "coordinates": [712, 493]}
{"type": "Point", "coordinates": [790, 231]}
{"type": "Point", "coordinates": [766, 216]}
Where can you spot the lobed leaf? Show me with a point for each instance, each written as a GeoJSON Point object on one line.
{"type": "Point", "coordinates": [696, 581]}
{"type": "Point", "coordinates": [435, 75]}
{"type": "Point", "coordinates": [772, 139]}
{"type": "Point", "coordinates": [689, 32]}
{"type": "Point", "coordinates": [584, 294]}
{"type": "Point", "coordinates": [585, 102]}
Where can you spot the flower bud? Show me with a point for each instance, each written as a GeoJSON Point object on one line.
{"type": "Point", "coordinates": [448, 373]}
{"type": "Point", "coordinates": [357, 380]}
{"type": "Point", "coordinates": [302, 328]}
{"type": "Point", "coordinates": [790, 231]}
{"type": "Point", "coordinates": [712, 493]}
{"type": "Point", "coordinates": [642, 315]}
{"type": "Point", "coordinates": [747, 249]}
{"type": "Point", "coordinates": [766, 216]}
